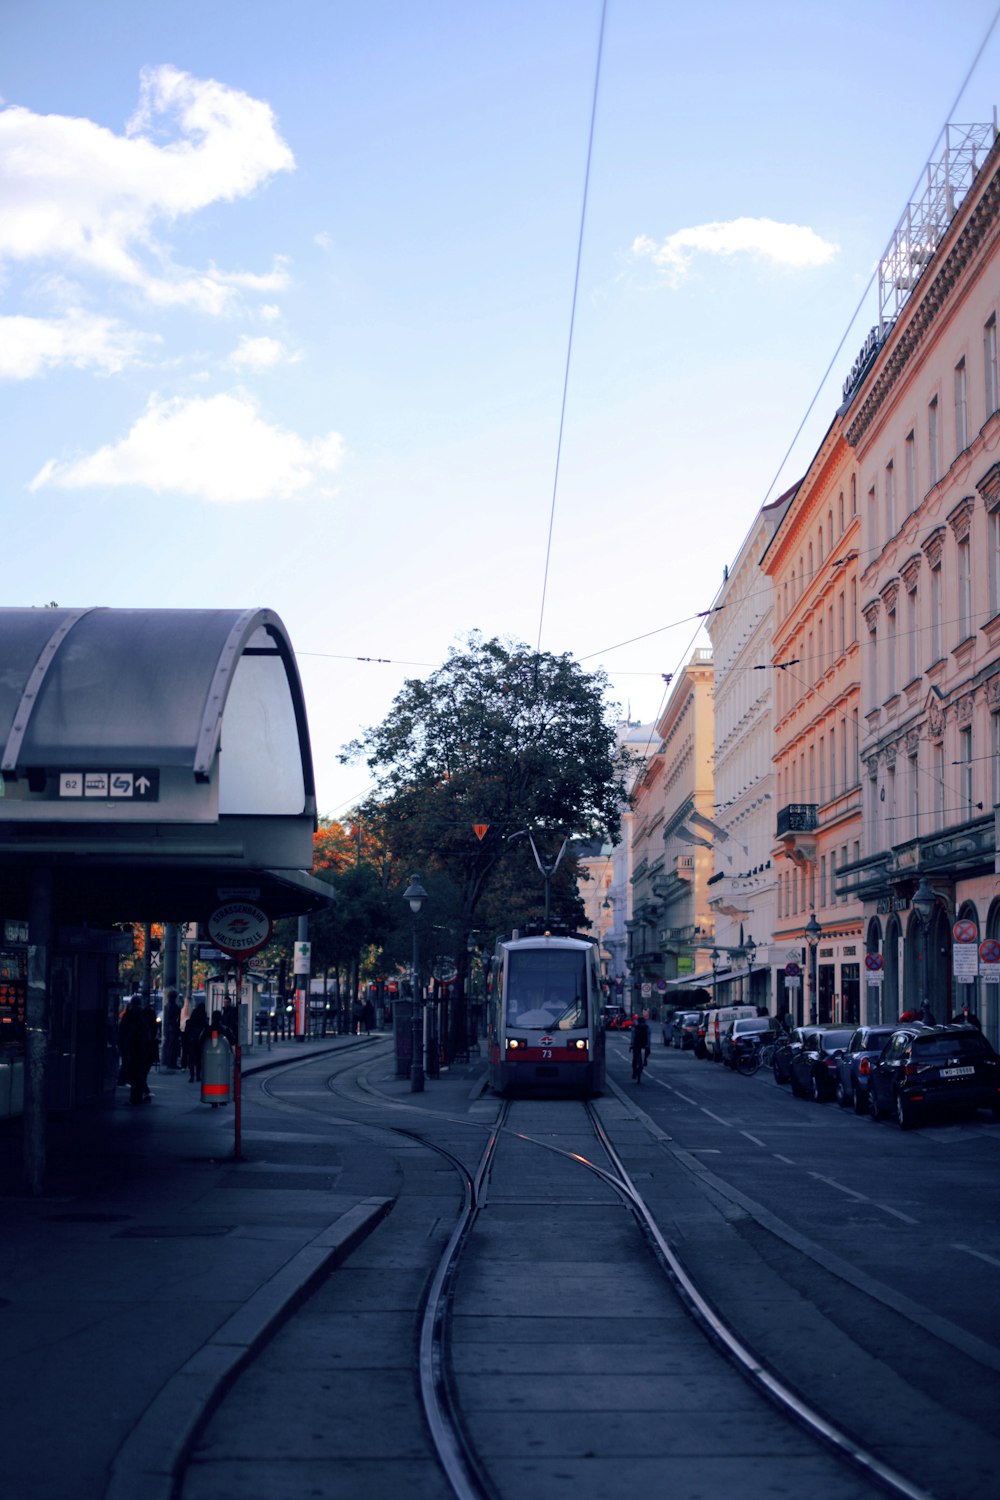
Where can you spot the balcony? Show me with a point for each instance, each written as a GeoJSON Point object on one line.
{"type": "Point", "coordinates": [797, 830]}
{"type": "Point", "coordinates": [796, 817]}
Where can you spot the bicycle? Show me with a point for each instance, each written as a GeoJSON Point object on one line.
{"type": "Point", "coordinates": [760, 1055]}
{"type": "Point", "coordinates": [639, 1061]}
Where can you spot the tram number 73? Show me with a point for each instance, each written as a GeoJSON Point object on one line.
{"type": "Point", "coordinates": [546, 1052]}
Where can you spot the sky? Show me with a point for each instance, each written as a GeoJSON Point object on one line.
{"type": "Point", "coordinates": [286, 298]}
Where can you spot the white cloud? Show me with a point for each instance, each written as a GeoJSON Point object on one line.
{"type": "Point", "coordinates": [74, 192]}
{"type": "Point", "coordinates": [791, 245]}
{"type": "Point", "coordinates": [261, 354]}
{"type": "Point", "coordinates": [269, 312]}
{"type": "Point", "coordinates": [30, 346]}
{"type": "Point", "coordinates": [218, 448]}
{"type": "Point", "coordinates": [323, 240]}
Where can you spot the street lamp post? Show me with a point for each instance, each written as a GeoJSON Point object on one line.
{"type": "Point", "coordinates": [813, 932]}
{"type": "Point", "coordinates": [715, 971]}
{"type": "Point", "coordinates": [416, 896]}
{"type": "Point", "coordinates": [923, 903]}
{"type": "Point", "coordinates": [751, 952]}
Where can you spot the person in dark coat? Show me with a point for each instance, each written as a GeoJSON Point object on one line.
{"type": "Point", "coordinates": [137, 1049]}
{"type": "Point", "coordinates": [170, 1051]}
{"type": "Point", "coordinates": [194, 1034]}
{"type": "Point", "coordinates": [369, 1016]}
{"type": "Point", "coordinates": [927, 1015]}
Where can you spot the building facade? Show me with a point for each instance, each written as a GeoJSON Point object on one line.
{"type": "Point", "coordinates": [671, 932]}
{"type": "Point", "coordinates": [813, 562]}
{"type": "Point", "coordinates": [923, 423]}
{"type": "Point", "coordinates": [742, 894]}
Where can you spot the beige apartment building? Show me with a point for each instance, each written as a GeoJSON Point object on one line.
{"type": "Point", "coordinates": [742, 892]}
{"type": "Point", "coordinates": [670, 931]}
{"type": "Point", "coordinates": [813, 562]}
{"type": "Point", "coordinates": [922, 420]}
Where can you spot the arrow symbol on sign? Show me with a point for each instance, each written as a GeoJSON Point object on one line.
{"type": "Point", "coordinates": [143, 785]}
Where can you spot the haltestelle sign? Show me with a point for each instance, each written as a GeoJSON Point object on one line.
{"type": "Point", "coordinates": [239, 928]}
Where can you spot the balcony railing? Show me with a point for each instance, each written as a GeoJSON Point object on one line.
{"type": "Point", "coordinates": [796, 817]}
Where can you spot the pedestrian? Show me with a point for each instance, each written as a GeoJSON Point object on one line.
{"type": "Point", "coordinates": [369, 1017]}
{"type": "Point", "coordinates": [927, 1015]}
{"type": "Point", "coordinates": [357, 1017]}
{"type": "Point", "coordinates": [136, 1049]}
{"type": "Point", "coordinates": [231, 1021]}
{"type": "Point", "coordinates": [170, 1051]}
{"type": "Point", "coordinates": [640, 1044]}
{"type": "Point", "coordinates": [967, 1017]}
{"type": "Point", "coordinates": [192, 1037]}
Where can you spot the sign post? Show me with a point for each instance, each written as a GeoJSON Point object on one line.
{"type": "Point", "coordinates": [965, 952]}
{"type": "Point", "coordinates": [240, 930]}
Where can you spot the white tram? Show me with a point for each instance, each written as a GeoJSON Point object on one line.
{"type": "Point", "coordinates": [546, 1015]}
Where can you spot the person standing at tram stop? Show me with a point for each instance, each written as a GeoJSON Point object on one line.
{"type": "Point", "coordinates": [368, 1011]}
{"type": "Point", "coordinates": [170, 1049]}
{"type": "Point", "coordinates": [640, 1044]}
{"type": "Point", "coordinates": [137, 1049]}
{"type": "Point", "coordinates": [357, 1017]}
{"type": "Point", "coordinates": [194, 1034]}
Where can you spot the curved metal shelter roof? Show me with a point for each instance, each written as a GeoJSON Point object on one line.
{"type": "Point", "coordinates": [155, 739]}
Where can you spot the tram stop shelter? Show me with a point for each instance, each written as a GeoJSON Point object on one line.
{"type": "Point", "coordinates": [155, 764]}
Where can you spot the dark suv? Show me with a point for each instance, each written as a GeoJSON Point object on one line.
{"type": "Point", "coordinates": [929, 1068]}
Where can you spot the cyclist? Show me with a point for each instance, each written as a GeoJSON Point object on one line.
{"type": "Point", "coordinates": [640, 1046]}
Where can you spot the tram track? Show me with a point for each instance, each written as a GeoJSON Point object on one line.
{"type": "Point", "coordinates": [465, 1470]}
{"type": "Point", "coordinates": [453, 1408]}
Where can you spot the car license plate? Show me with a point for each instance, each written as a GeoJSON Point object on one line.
{"type": "Point", "coordinates": [956, 1072]}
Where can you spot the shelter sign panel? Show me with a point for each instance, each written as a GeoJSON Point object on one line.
{"type": "Point", "coordinates": [128, 786]}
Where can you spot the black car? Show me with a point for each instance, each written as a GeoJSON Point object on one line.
{"type": "Point", "coordinates": [682, 1030]}
{"type": "Point", "coordinates": [742, 1035]}
{"type": "Point", "coordinates": [812, 1069]}
{"type": "Point", "coordinates": [855, 1063]}
{"type": "Point", "coordinates": [924, 1069]}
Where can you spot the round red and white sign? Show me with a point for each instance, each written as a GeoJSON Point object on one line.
{"type": "Point", "coordinates": [239, 928]}
{"type": "Point", "coordinates": [965, 931]}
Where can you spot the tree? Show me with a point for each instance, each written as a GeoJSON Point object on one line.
{"type": "Point", "coordinates": [502, 737]}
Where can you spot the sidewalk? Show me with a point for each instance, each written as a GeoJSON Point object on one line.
{"type": "Point", "coordinates": [155, 1264]}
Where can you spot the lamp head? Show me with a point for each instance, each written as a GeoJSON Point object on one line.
{"type": "Point", "coordinates": [415, 894]}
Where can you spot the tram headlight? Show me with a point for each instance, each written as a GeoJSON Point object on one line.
{"type": "Point", "coordinates": [580, 1044]}
{"type": "Point", "coordinates": [516, 1043]}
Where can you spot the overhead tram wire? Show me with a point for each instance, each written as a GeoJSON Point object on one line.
{"type": "Point", "coordinates": [572, 322]}
{"type": "Point", "coordinates": [948, 116]}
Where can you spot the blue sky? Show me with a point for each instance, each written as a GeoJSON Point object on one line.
{"type": "Point", "coordinates": [285, 296]}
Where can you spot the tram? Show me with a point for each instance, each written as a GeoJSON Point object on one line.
{"type": "Point", "coordinates": [545, 1026]}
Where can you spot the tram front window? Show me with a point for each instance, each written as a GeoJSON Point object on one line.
{"type": "Point", "coordinates": [548, 990]}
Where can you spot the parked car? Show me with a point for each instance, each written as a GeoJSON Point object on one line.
{"type": "Point", "coordinates": [926, 1069]}
{"type": "Point", "coordinates": [716, 1021]}
{"type": "Point", "coordinates": [812, 1071]}
{"type": "Point", "coordinates": [682, 1030]}
{"type": "Point", "coordinates": [741, 1034]}
{"type": "Point", "coordinates": [854, 1065]}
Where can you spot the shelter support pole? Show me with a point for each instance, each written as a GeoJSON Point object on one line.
{"type": "Point", "coordinates": [37, 1027]}
{"type": "Point", "coordinates": [171, 956]}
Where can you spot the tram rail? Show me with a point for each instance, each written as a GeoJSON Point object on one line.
{"type": "Point", "coordinates": [467, 1472]}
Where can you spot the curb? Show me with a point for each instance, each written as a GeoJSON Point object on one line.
{"type": "Point", "coordinates": [170, 1424]}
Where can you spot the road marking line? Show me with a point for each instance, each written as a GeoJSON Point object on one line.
{"type": "Point", "coordinates": [728, 1123]}
{"type": "Point", "coordinates": [990, 1259]}
{"type": "Point", "coordinates": [787, 1159]}
{"type": "Point", "coordinates": [861, 1197]}
{"type": "Point", "coordinates": [756, 1140]}
{"type": "Point", "coordinates": [895, 1213]}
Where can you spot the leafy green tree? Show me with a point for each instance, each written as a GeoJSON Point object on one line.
{"type": "Point", "coordinates": [502, 737]}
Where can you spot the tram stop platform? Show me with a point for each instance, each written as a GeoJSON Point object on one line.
{"type": "Point", "coordinates": [152, 1266]}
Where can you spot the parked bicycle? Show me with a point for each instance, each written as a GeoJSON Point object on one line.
{"type": "Point", "coordinates": [758, 1055]}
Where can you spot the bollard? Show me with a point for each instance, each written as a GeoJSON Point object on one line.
{"type": "Point", "coordinates": [216, 1070]}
